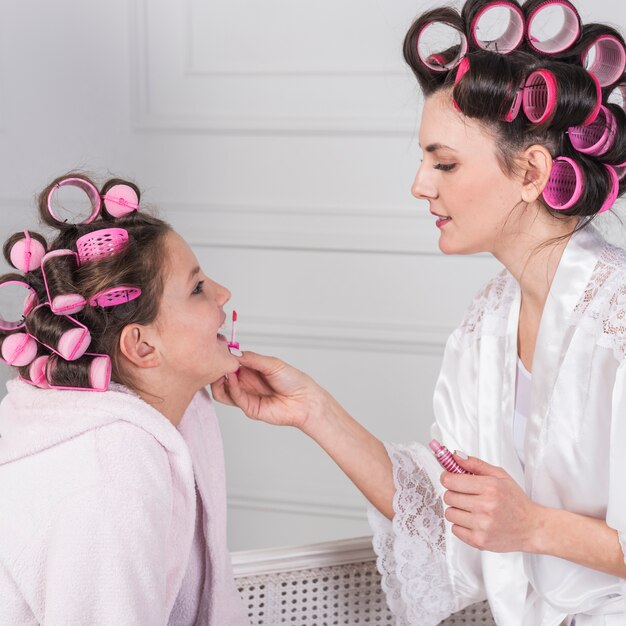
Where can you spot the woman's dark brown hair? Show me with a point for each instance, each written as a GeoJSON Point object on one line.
{"type": "Point", "coordinates": [487, 91]}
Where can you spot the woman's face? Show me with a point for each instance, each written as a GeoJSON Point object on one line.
{"type": "Point", "coordinates": [468, 193]}
{"type": "Point", "coordinates": [189, 320]}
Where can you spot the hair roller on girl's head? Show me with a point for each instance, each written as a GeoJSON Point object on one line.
{"type": "Point", "coordinates": [57, 268]}
{"type": "Point", "coordinates": [494, 25]}
{"type": "Point", "coordinates": [24, 251]}
{"type": "Point", "coordinates": [92, 372]}
{"type": "Point", "coordinates": [540, 17]}
{"type": "Point", "coordinates": [18, 348]}
{"type": "Point", "coordinates": [62, 334]}
{"type": "Point", "coordinates": [120, 198]}
{"type": "Point", "coordinates": [35, 373]}
{"type": "Point", "coordinates": [26, 300]}
{"type": "Point", "coordinates": [100, 244]}
{"type": "Point", "coordinates": [50, 206]}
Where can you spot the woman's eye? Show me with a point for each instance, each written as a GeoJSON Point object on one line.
{"type": "Point", "coordinates": [198, 288]}
{"type": "Point", "coordinates": [446, 167]}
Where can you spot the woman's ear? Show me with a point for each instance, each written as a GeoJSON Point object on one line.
{"type": "Point", "coordinates": [537, 166]}
{"type": "Point", "coordinates": [138, 346]}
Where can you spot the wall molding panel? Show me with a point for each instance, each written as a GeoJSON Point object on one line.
{"type": "Point", "coordinates": [173, 90]}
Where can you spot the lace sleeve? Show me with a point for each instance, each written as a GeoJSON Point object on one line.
{"type": "Point", "coordinates": [411, 550]}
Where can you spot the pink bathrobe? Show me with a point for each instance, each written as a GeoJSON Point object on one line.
{"type": "Point", "coordinates": [98, 510]}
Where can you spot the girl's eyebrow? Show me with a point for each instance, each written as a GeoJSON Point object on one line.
{"type": "Point", "coordinates": [194, 271]}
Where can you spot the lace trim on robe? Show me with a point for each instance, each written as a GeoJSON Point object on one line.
{"type": "Point", "coordinates": [622, 542]}
{"type": "Point", "coordinates": [411, 549]}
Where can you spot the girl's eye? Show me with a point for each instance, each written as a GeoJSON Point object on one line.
{"type": "Point", "coordinates": [198, 288]}
{"type": "Point", "coordinates": [446, 167]}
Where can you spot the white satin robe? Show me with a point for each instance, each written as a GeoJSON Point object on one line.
{"type": "Point", "coordinates": [575, 447]}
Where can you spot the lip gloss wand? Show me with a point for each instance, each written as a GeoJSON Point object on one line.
{"type": "Point", "coordinates": [233, 344]}
{"type": "Point", "coordinates": [445, 458]}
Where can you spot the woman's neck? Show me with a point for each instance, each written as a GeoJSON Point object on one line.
{"type": "Point", "coordinates": [532, 251]}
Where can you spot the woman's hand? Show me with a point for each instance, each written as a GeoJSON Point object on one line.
{"type": "Point", "coordinates": [270, 390]}
{"type": "Point", "coordinates": [489, 510]}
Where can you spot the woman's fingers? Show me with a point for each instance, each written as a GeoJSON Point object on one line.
{"type": "Point", "coordinates": [267, 365]}
{"type": "Point", "coordinates": [220, 393]}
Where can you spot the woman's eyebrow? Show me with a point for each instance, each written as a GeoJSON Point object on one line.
{"type": "Point", "coordinates": [433, 147]}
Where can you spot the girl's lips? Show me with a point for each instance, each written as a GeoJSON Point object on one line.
{"type": "Point", "coordinates": [221, 337]}
{"type": "Point", "coordinates": [442, 221]}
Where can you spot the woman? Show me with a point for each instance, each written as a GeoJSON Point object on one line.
{"type": "Point", "coordinates": [533, 382]}
{"type": "Point", "coordinates": [113, 503]}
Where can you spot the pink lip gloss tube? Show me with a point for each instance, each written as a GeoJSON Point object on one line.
{"type": "Point", "coordinates": [233, 344]}
{"type": "Point", "coordinates": [445, 458]}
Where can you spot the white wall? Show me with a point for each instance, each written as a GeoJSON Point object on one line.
{"type": "Point", "coordinates": [279, 138]}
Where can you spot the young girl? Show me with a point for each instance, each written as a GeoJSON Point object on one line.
{"type": "Point", "coordinates": [111, 470]}
{"type": "Point", "coordinates": [522, 149]}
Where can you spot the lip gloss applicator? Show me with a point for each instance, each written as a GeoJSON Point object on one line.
{"type": "Point", "coordinates": [445, 458]}
{"type": "Point", "coordinates": [233, 344]}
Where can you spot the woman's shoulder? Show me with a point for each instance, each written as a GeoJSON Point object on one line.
{"type": "Point", "coordinates": [601, 308]}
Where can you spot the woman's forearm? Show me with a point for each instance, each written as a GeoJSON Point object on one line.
{"type": "Point", "coordinates": [584, 540]}
{"type": "Point", "coordinates": [361, 456]}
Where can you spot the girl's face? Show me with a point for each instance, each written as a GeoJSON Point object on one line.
{"type": "Point", "coordinates": [190, 318]}
{"type": "Point", "coordinates": [468, 193]}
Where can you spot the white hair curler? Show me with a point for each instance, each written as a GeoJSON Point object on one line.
{"type": "Point", "coordinates": [538, 35]}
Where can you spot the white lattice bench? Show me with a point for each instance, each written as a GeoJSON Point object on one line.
{"type": "Point", "coordinates": [324, 584]}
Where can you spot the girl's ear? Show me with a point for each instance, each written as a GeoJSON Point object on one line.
{"type": "Point", "coordinates": [537, 166]}
{"type": "Point", "coordinates": [138, 346]}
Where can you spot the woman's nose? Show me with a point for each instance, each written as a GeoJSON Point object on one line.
{"type": "Point", "coordinates": [422, 187]}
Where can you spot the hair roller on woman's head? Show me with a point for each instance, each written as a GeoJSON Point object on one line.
{"type": "Point", "coordinates": [484, 32]}
{"type": "Point", "coordinates": [558, 95]}
{"type": "Point", "coordinates": [435, 45]}
{"type": "Point", "coordinates": [602, 51]}
{"type": "Point", "coordinates": [541, 13]}
{"type": "Point", "coordinates": [490, 87]}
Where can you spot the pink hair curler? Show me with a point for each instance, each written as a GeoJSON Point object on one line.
{"type": "Point", "coordinates": [72, 343]}
{"type": "Point", "coordinates": [26, 254]}
{"type": "Point", "coordinates": [115, 296]}
{"type": "Point", "coordinates": [618, 95]}
{"type": "Point", "coordinates": [18, 349]}
{"type": "Point", "coordinates": [445, 458]}
{"type": "Point", "coordinates": [620, 171]}
{"type": "Point", "coordinates": [605, 58]}
{"type": "Point", "coordinates": [37, 373]}
{"type": "Point", "coordinates": [565, 185]}
{"type": "Point", "coordinates": [560, 41]}
{"type": "Point", "coordinates": [594, 114]}
{"type": "Point", "coordinates": [463, 68]}
{"type": "Point", "coordinates": [539, 98]}
{"type": "Point", "coordinates": [512, 36]}
{"type": "Point", "coordinates": [62, 303]}
{"type": "Point", "coordinates": [90, 190]}
{"type": "Point", "coordinates": [30, 301]}
{"type": "Point", "coordinates": [100, 244]}
{"type": "Point", "coordinates": [513, 112]}
{"type": "Point", "coordinates": [436, 59]}
{"type": "Point", "coordinates": [614, 191]}
{"type": "Point", "coordinates": [120, 200]}
{"type": "Point", "coordinates": [596, 138]}
{"type": "Point", "coordinates": [99, 373]}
